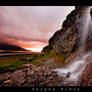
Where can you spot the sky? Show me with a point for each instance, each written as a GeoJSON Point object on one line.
{"type": "Point", "coordinates": [31, 27]}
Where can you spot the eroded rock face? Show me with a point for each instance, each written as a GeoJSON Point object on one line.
{"type": "Point", "coordinates": [66, 39]}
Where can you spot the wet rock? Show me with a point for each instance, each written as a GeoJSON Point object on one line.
{"type": "Point", "coordinates": [86, 76]}
{"type": "Point", "coordinates": [51, 78]}
{"type": "Point", "coordinates": [54, 74]}
{"type": "Point", "coordinates": [68, 74]}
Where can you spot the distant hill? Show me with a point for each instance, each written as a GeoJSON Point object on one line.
{"type": "Point", "coordinates": [5, 46]}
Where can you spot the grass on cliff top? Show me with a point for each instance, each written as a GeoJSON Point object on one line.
{"type": "Point", "coordinates": [10, 63]}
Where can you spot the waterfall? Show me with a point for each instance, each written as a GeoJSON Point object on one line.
{"type": "Point", "coordinates": [83, 27]}
{"type": "Point", "coordinates": [77, 67]}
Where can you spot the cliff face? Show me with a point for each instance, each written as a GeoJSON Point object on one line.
{"type": "Point", "coordinates": [66, 40]}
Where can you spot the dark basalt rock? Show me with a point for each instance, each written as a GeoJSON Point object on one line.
{"type": "Point", "coordinates": [68, 74]}
{"type": "Point", "coordinates": [66, 39]}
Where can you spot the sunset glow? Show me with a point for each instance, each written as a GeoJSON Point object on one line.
{"type": "Point", "coordinates": [34, 49]}
{"type": "Point", "coordinates": [31, 27]}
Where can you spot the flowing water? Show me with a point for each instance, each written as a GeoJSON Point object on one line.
{"type": "Point", "coordinates": [77, 67]}
{"type": "Point", "coordinates": [83, 24]}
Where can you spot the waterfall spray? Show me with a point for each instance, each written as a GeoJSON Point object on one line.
{"type": "Point", "coordinates": [77, 67]}
{"type": "Point", "coordinates": [83, 27]}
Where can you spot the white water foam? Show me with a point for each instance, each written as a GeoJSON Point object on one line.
{"type": "Point", "coordinates": [76, 68]}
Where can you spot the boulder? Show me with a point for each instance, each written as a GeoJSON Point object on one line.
{"type": "Point", "coordinates": [68, 74]}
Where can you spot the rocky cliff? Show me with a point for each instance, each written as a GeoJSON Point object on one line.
{"type": "Point", "coordinates": [66, 40]}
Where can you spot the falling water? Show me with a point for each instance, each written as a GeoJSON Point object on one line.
{"type": "Point", "coordinates": [83, 27]}
{"type": "Point", "coordinates": [77, 67]}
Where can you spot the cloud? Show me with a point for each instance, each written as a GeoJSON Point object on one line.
{"type": "Point", "coordinates": [30, 23]}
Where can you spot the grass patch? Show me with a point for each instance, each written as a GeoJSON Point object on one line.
{"type": "Point", "coordinates": [51, 54]}
{"type": "Point", "coordinates": [60, 59]}
{"type": "Point", "coordinates": [12, 66]}
{"type": "Point", "coordinates": [10, 63]}
{"type": "Point", "coordinates": [38, 60]}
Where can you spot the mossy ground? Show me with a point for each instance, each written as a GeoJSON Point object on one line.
{"type": "Point", "coordinates": [10, 63]}
{"type": "Point", "coordinates": [50, 54]}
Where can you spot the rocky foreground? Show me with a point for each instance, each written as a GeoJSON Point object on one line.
{"type": "Point", "coordinates": [43, 75]}
{"type": "Point", "coordinates": [32, 75]}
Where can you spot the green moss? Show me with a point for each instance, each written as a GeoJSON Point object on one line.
{"type": "Point", "coordinates": [12, 66]}
{"type": "Point", "coordinates": [62, 58]}
{"type": "Point", "coordinates": [11, 63]}
{"type": "Point", "coordinates": [58, 58]}
{"type": "Point", "coordinates": [39, 59]}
